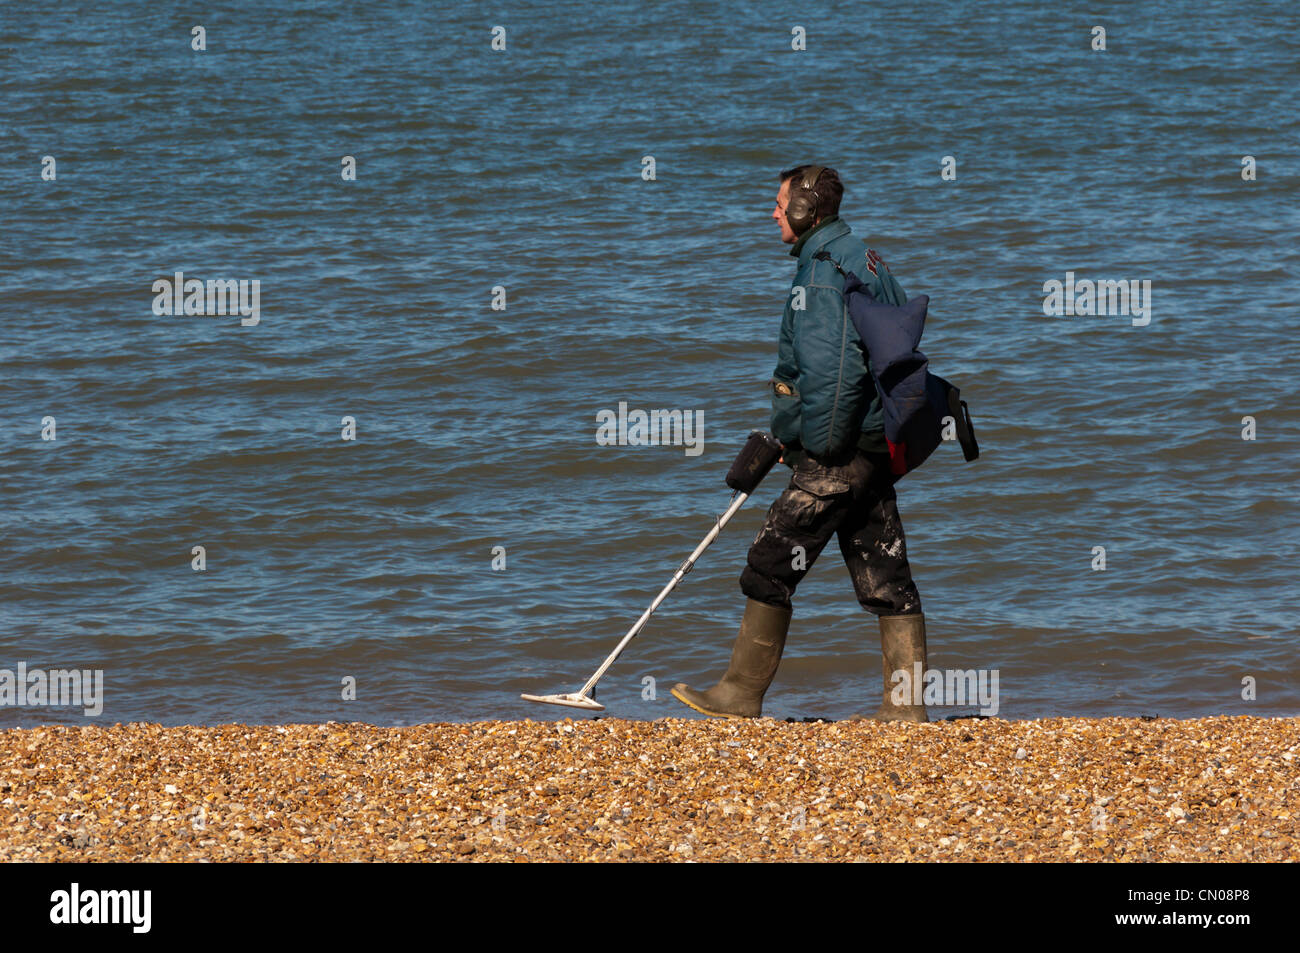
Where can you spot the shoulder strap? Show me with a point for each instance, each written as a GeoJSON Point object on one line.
{"type": "Point", "coordinates": [824, 255]}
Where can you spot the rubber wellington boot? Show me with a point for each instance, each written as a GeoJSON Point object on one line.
{"type": "Point", "coordinates": [753, 665]}
{"type": "Point", "coordinates": [902, 645]}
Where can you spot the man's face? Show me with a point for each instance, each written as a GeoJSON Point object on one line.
{"type": "Point", "coordinates": [782, 200]}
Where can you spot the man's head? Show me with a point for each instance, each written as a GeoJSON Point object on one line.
{"type": "Point", "coordinates": [823, 198]}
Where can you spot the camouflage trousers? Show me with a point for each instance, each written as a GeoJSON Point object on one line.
{"type": "Point", "coordinates": [854, 502]}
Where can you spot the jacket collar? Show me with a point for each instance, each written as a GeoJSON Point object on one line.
{"type": "Point", "coordinates": [812, 240]}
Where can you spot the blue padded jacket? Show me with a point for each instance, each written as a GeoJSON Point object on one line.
{"type": "Point", "coordinates": [823, 398]}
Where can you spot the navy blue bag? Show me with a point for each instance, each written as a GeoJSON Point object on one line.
{"type": "Point", "coordinates": [915, 401]}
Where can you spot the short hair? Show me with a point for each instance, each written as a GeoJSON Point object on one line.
{"type": "Point", "coordinates": [828, 186]}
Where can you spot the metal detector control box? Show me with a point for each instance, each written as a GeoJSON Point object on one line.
{"type": "Point", "coordinates": [757, 457]}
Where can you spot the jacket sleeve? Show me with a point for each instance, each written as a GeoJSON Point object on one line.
{"type": "Point", "coordinates": [786, 406]}
{"type": "Point", "coordinates": [832, 373]}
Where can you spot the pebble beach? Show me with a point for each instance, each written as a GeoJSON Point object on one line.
{"type": "Point", "coordinates": [605, 789]}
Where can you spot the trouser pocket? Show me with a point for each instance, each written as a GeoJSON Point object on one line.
{"type": "Point", "coordinates": [814, 499]}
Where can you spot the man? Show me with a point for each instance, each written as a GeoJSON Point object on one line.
{"type": "Point", "coordinates": [828, 416]}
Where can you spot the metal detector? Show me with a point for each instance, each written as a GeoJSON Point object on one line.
{"type": "Point", "coordinates": [757, 457]}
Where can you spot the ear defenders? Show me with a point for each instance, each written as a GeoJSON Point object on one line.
{"type": "Point", "coordinates": [801, 209]}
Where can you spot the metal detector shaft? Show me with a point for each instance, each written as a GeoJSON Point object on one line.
{"type": "Point", "coordinates": [680, 574]}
